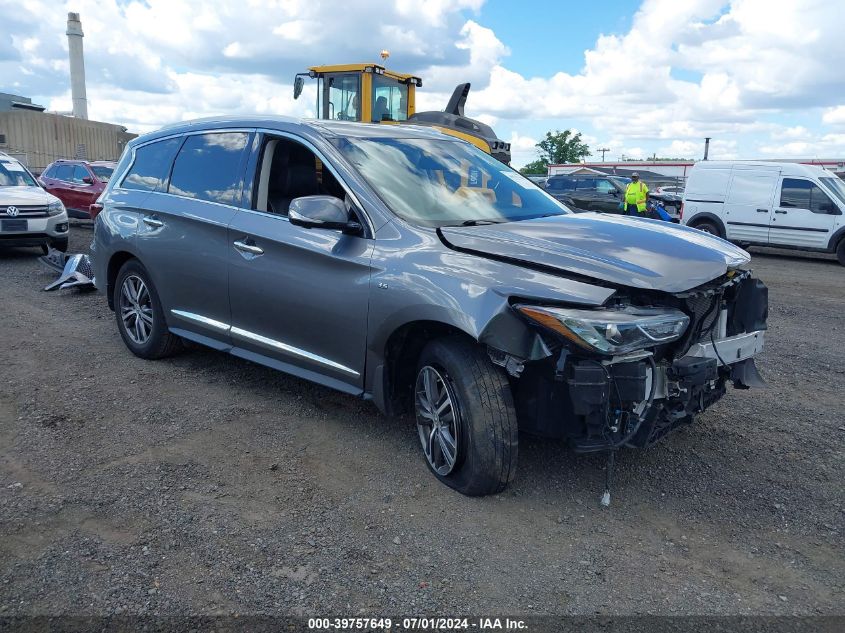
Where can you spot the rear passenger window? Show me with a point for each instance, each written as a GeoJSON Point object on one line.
{"type": "Point", "coordinates": [209, 167]}
{"type": "Point", "coordinates": [151, 166]}
{"type": "Point", "coordinates": [561, 184]}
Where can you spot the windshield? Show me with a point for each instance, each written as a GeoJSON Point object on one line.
{"type": "Point", "coordinates": [432, 182]}
{"type": "Point", "coordinates": [102, 172]}
{"type": "Point", "coordinates": [836, 186]}
{"type": "Point", "coordinates": [13, 174]}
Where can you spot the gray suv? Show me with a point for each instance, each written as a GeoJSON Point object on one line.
{"type": "Point", "coordinates": [409, 268]}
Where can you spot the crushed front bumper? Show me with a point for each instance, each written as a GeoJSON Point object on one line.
{"type": "Point", "coordinates": [729, 351]}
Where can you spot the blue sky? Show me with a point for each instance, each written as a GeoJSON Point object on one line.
{"type": "Point", "coordinates": [637, 77]}
{"type": "Point", "coordinates": [547, 37]}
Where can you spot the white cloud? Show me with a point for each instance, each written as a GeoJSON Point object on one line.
{"type": "Point", "coordinates": [834, 116]}
{"type": "Point", "coordinates": [684, 70]}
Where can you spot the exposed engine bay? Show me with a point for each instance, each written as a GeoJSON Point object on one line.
{"type": "Point", "coordinates": [605, 402]}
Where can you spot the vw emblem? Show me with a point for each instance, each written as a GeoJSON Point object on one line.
{"type": "Point", "coordinates": [12, 211]}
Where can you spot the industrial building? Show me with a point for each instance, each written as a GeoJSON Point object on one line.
{"type": "Point", "coordinates": [673, 170]}
{"type": "Point", "coordinates": [37, 138]}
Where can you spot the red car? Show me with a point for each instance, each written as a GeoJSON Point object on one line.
{"type": "Point", "coordinates": [78, 184]}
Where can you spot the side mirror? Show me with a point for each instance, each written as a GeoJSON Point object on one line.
{"type": "Point", "coordinates": [829, 207]}
{"type": "Point", "coordinates": [322, 212]}
{"type": "Point", "coordinates": [88, 180]}
{"type": "Point", "coordinates": [298, 83]}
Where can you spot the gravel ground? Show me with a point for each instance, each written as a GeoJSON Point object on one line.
{"type": "Point", "coordinates": [203, 484]}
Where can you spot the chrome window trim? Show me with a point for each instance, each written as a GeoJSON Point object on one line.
{"type": "Point", "coordinates": [269, 342]}
{"type": "Point", "coordinates": [233, 207]}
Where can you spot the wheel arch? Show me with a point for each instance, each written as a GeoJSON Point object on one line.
{"type": "Point", "coordinates": [394, 378]}
{"type": "Point", "coordinates": [706, 216]}
{"type": "Point", "coordinates": [835, 239]}
{"type": "Point", "coordinates": [116, 262]}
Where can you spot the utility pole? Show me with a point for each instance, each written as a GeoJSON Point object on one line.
{"type": "Point", "coordinates": [603, 151]}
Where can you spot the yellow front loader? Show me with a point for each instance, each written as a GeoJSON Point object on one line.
{"type": "Point", "coordinates": [373, 94]}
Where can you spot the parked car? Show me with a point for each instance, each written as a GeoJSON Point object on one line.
{"type": "Point", "coordinates": [409, 268]}
{"type": "Point", "coordinates": [788, 205]}
{"type": "Point", "coordinates": [29, 216]}
{"type": "Point", "coordinates": [77, 183]}
{"type": "Point", "coordinates": [674, 190]}
{"type": "Point", "coordinates": [540, 181]}
{"type": "Point", "coordinates": [582, 192]}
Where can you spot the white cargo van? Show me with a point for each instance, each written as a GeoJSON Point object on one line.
{"type": "Point", "coordinates": [788, 205]}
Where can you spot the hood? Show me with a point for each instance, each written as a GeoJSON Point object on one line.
{"type": "Point", "coordinates": [24, 196]}
{"type": "Point", "coordinates": [625, 251]}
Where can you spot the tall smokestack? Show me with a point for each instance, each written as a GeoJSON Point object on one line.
{"type": "Point", "coordinates": [77, 66]}
{"type": "Point", "coordinates": [706, 147]}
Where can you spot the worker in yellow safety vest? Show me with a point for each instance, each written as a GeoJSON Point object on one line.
{"type": "Point", "coordinates": [636, 195]}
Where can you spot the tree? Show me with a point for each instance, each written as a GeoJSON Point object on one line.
{"type": "Point", "coordinates": [563, 147]}
{"type": "Point", "coordinates": [539, 166]}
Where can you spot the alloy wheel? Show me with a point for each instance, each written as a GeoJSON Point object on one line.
{"type": "Point", "coordinates": [437, 420]}
{"type": "Point", "coordinates": [136, 309]}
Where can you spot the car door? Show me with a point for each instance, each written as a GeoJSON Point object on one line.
{"type": "Point", "coordinates": [748, 205]}
{"type": "Point", "coordinates": [804, 216]}
{"type": "Point", "coordinates": [60, 182]}
{"type": "Point", "coordinates": [607, 198]}
{"type": "Point", "coordinates": [79, 191]}
{"type": "Point", "coordinates": [183, 234]}
{"type": "Point", "coordinates": [299, 296]}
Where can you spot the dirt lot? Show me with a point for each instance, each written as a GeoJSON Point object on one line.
{"type": "Point", "coordinates": [203, 484]}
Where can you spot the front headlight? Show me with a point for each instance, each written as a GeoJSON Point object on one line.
{"type": "Point", "coordinates": [55, 208]}
{"type": "Point", "coordinates": [611, 331]}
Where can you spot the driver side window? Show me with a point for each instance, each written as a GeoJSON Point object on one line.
{"type": "Point", "coordinates": [79, 174]}
{"type": "Point", "coordinates": [289, 170]}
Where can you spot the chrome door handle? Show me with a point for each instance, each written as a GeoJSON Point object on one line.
{"type": "Point", "coordinates": [153, 223]}
{"type": "Point", "coordinates": [252, 249]}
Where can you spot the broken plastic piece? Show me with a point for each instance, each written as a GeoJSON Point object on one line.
{"type": "Point", "coordinates": [76, 270]}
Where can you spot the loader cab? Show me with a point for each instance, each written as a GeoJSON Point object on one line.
{"type": "Point", "coordinates": [366, 93]}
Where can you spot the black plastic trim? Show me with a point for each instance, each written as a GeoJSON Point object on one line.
{"type": "Point", "coordinates": [785, 228]}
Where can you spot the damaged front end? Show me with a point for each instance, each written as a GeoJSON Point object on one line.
{"type": "Point", "coordinates": [644, 364]}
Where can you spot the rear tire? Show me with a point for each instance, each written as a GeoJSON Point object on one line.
{"type": "Point", "coordinates": [140, 319]}
{"type": "Point", "coordinates": [482, 423]}
{"type": "Point", "coordinates": [840, 252]}
{"type": "Point", "coordinates": [708, 227]}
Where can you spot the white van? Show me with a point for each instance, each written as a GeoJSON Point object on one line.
{"type": "Point", "coordinates": [788, 205]}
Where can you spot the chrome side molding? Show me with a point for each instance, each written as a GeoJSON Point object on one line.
{"type": "Point", "coordinates": [263, 340]}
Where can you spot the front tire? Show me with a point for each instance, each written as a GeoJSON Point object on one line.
{"type": "Point", "coordinates": [140, 319]}
{"type": "Point", "coordinates": [840, 252]}
{"type": "Point", "coordinates": [466, 418]}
